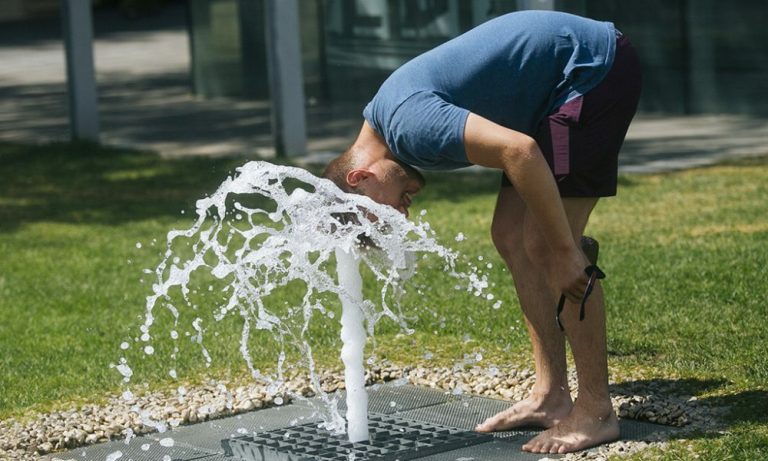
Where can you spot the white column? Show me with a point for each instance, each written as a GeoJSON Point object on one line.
{"type": "Point", "coordinates": [286, 80]}
{"type": "Point", "coordinates": [81, 74]}
{"type": "Point", "coordinates": [353, 339]}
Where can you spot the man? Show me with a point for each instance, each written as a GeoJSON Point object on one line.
{"type": "Point", "coordinates": [547, 98]}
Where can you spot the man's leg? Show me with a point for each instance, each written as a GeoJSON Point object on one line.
{"type": "Point", "coordinates": [550, 400]}
{"type": "Point", "coordinates": [591, 421]}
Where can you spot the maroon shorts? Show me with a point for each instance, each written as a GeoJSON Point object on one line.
{"type": "Point", "coordinates": [582, 138]}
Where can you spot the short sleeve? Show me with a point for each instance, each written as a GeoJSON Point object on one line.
{"type": "Point", "coordinates": [427, 131]}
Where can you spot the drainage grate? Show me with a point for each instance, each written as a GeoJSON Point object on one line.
{"type": "Point", "coordinates": [391, 438]}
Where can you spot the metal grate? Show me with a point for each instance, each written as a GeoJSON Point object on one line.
{"type": "Point", "coordinates": [391, 438]}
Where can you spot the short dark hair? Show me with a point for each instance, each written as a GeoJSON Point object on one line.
{"type": "Point", "coordinates": [338, 168]}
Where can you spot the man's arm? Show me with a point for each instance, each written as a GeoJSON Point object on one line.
{"type": "Point", "coordinates": [491, 145]}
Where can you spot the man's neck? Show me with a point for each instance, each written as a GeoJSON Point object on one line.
{"type": "Point", "coordinates": [371, 145]}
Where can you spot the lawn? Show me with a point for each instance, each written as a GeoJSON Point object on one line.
{"type": "Point", "coordinates": [685, 255]}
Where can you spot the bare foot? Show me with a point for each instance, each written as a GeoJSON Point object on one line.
{"type": "Point", "coordinates": [537, 410]}
{"type": "Point", "coordinates": [578, 431]}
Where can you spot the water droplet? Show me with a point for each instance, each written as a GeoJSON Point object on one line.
{"type": "Point", "coordinates": [124, 369]}
{"type": "Point", "coordinates": [166, 442]}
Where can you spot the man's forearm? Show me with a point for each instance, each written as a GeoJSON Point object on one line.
{"type": "Point", "coordinates": [530, 174]}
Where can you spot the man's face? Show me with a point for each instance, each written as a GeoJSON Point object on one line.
{"type": "Point", "coordinates": [395, 185]}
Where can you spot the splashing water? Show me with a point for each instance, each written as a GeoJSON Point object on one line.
{"type": "Point", "coordinates": [274, 228]}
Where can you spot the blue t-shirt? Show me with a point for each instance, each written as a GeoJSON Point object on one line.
{"type": "Point", "coordinates": [513, 70]}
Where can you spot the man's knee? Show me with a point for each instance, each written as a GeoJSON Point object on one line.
{"type": "Point", "coordinates": [536, 248]}
{"type": "Point", "coordinates": [507, 237]}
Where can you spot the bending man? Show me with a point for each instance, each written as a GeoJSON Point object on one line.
{"type": "Point", "coordinates": [545, 97]}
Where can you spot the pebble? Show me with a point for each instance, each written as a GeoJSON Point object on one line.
{"type": "Point", "coordinates": [63, 430]}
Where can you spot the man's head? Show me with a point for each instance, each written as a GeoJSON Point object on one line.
{"type": "Point", "coordinates": [369, 168]}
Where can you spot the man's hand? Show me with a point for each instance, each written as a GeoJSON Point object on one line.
{"type": "Point", "coordinates": [568, 274]}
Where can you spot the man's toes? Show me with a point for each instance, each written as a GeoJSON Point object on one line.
{"type": "Point", "coordinates": [534, 446]}
{"type": "Point", "coordinates": [487, 426]}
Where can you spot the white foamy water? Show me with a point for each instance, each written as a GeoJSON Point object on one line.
{"type": "Point", "coordinates": [271, 230]}
{"type": "Point", "coordinates": [353, 338]}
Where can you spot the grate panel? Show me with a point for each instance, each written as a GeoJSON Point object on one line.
{"type": "Point", "coordinates": [391, 398]}
{"type": "Point", "coordinates": [139, 449]}
{"type": "Point", "coordinates": [391, 438]}
{"type": "Point", "coordinates": [507, 449]}
{"type": "Point", "coordinates": [464, 414]}
{"type": "Point", "coordinates": [207, 436]}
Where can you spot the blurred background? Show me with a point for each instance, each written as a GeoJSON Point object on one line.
{"type": "Point", "coordinates": [191, 77]}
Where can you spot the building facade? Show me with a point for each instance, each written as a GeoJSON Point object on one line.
{"type": "Point", "coordinates": [698, 57]}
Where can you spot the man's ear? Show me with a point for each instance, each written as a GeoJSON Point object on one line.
{"type": "Point", "coordinates": [358, 175]}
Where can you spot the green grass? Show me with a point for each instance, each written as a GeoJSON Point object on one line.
{"type": "Point", "coordinates": [685, 255]}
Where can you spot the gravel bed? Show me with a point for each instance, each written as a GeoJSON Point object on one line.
{"type": "Point", "coordinates": [129, 415]}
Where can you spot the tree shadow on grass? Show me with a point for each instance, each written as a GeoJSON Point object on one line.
{"type": "Point", "coordinates": [454, 186]}
{"type": "Point", "coordinates": [85, 183]}
{"type": "Point", "coordinates": [670, 401]}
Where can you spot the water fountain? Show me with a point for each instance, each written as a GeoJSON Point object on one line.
{"type": "Point", "coordinates": [269, 227]}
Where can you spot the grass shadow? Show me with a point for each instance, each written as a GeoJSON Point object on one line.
{"type": "Point", "coordinates": [675, 387]}
{"type": "Point", "coordinates": [456, 186]}
{"type": "Point", "coordinates": [86, 183]}
{"type": "Point", "coordinates": [709, 416]}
